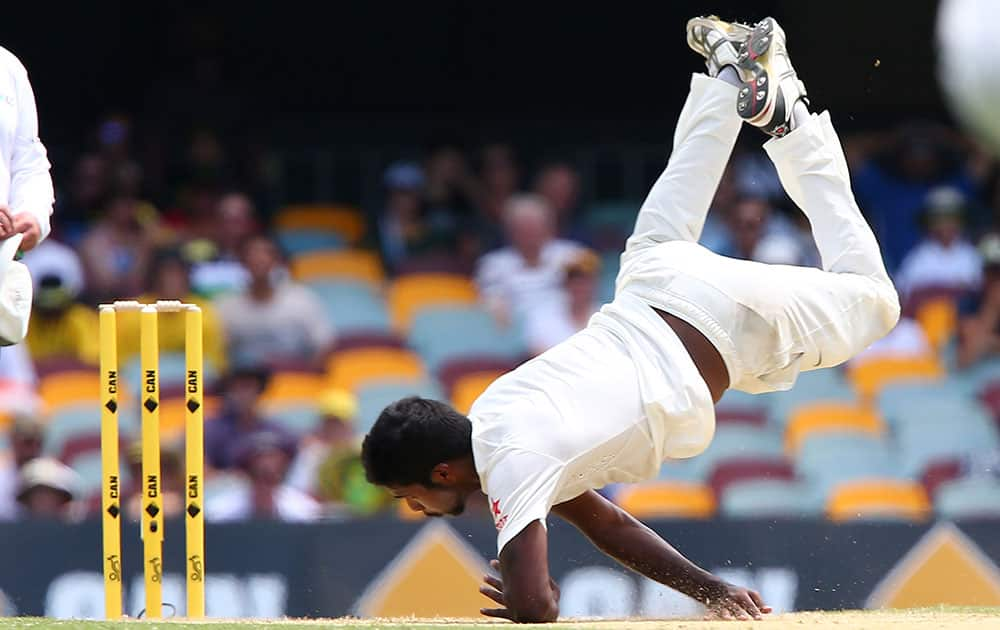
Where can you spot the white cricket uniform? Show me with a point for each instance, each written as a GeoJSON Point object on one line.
{"type": "Point", "coordinates": [25, 183]}
{"type": "Point", "coordinates": [614, 401]}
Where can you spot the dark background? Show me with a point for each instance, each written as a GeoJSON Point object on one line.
{"type": "Point", "coordinates": [365, 71]}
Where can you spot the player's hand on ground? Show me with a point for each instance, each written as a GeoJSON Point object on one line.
{"type": "Point", "coordinates": [493, 588]}
{"type": "Point", "coordinates": [735, 602]}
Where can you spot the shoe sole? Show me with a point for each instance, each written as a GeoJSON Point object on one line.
{"type": "Point", "coordinates": [754, 101]}
{"type": "Point", "coordinates": [729, 29]}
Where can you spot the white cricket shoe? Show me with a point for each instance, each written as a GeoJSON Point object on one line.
{"type": "Point", "coordinates": [771, 87]}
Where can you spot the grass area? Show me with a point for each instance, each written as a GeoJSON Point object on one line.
{"type": "Point", "coordinates": [944, 617]}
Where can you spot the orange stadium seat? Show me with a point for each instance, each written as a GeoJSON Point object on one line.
{"type": "Point", "coordinates": [346, 221]}
{"type": "Point", "coordinates": [352, 264]}
{"type": "Point", "coordinates": [351, 369]}
{"type": "Point", "coordinates": [469, 387]}
{"type": "Point", "coordinates": [878, 498]}
{"type": "Point", "coordinates": [820, 417]}
{"type": "Point", "coordinates": [410, 293]}
{"type": "Point", "coordinates": [62, 389]}
{"type": "Point", "coordinates": [870, 377]}
{"type": "Point", "coordinates": [673, 499]}
{"type": "Point", "coordinates": [292, 386]}
{"type": "Point", "coordinates": [173, 415]}
{"type": "Point", "coordinates": [939, 319]}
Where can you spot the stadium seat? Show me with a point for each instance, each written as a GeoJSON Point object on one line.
{"type": "Point", "coordinates": [345, 221]}
{"type": "Point", "coordinates": [469, 387]}
{"type": "Point", "coordinates": [901, 401]}
{"type": "Point", "coordinates": [810, 387]}
{"type": "Point", "coordinates": [297, 242]}
{"type": "Point", "coordinates": [972, 380]}
{"type": "Point", "coordinates": [442, 334]}
{"type": "Point", "coordinates": [870, 377]}
{"type": "Point", "coordinates": [660, 499]}
{"type": "Point", "coordinates": [990, 397]}
{"type": "Point", "coordinates": [878, 499]}
{"type": "Point", "coordinates": [374, 397]}
{"type": "Point", "coordinates": [411, 293]}
{"type": "Point", "coordinates": [87, 466]}
{"type": "Point", "coordinates": [940, 471]}
{"type": "Point", "coordinates": [732, 442]}
{"type": "Point", "coordinates": [292, 387]}
{"type": "Point", "coordinates": [365, 313]}
{"type": "Point", "coordinates": [770, 498]}
{"type": "Point", "coordinates": [352, 264]}
{"type": "Point", "coordinates": [352, 369]}
{"type": "Point", "coordinates": [173, 372]}
{"type": "Point", "coordinates": [744, 469]}
{"type": "Point", "coordinates": [741, 408]}
{"type": "Point", "coordinates": [449, 373]}
{"type": "Point", "coordinates": [822, 417]}
{"type": "Point", "coordinates": [970, 497]}
{"type": "Point", "coordinates": [966, 430]}
{"type": "Point", "coordinates": [368, 339]}
{"type": "Point", "coordinates": [78, 445]}
{"type": "Point", "coordinates": [65, 389]}
{"type": "Point", "coordinates": [828, 459]}
{"type": "Point", "coordinates": [70, 423]}
{"type": "Point", "coordinates": [939, 319]}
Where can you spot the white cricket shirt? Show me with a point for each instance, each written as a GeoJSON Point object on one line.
{"type": "Point", "coordinates": [608, 405]}
{"type": "Point", "coordinates": [25, 183]}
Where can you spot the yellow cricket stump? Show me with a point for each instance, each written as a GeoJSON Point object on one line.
{"type": "Point", "coordinates": [152, 500]}
{"type": "Point", "coordinates": [195, 464]}
{"type": "Point", "coordinates": [110, 501]}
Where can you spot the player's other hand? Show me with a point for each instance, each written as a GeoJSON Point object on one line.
{"type": "Point", "coordinates": [21, 223]}
{"type": "Point", "coordinates": [735, 602]}
{"type": "Point", "coordinates": [493, 588]}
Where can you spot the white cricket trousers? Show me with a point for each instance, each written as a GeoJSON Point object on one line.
{"type": "Point", "coordinates": [769, 322]}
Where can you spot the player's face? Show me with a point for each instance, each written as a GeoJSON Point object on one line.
{"type": "Point", "coordinates": [431, 500]}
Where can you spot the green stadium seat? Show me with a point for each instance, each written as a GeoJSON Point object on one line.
{"type": "Point", "coordinates": [770, 498]}
{"type": "Point", "coordinates": [969, 497]}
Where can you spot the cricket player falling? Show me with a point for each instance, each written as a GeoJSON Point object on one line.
{"type": "Point", "coordinates": [638, 385]}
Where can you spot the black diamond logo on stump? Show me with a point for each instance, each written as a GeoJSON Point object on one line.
{"type": "Point", "coordinates": [193, 510]}
{"type": "Point", "coordinates": [111, 406]}
{"type": "Point", "coordinates": [150, 405]}
{"type": "Point", "coordinates": [113, 511]}
{"type": "Point", "coordinates": [152, 510]}
{"type": "Point", "coordinates": [193, 405]}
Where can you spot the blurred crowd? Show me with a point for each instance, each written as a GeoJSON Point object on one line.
{"type": "Point", "coordinates": [133, 223]}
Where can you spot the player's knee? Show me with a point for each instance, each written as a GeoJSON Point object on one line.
{"type": "Point", "coordinates": [691, 441]}
{"type": "Point", "coordinates": [888, 307]}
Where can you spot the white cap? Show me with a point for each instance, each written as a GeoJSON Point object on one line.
{"type": "Point", "coordinates": [46, 472]}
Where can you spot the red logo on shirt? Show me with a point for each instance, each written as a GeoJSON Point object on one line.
{"type": "Point", "coordinates": [499, 519]}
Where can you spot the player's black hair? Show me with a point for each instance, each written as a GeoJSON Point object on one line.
{"type": "Point", "coordinates": [410, 438]}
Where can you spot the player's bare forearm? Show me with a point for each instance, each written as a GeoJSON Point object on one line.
{"type": "Point", "coordinates": [618, 534]}
{"type": "Point", "coordinates": [524, 591]}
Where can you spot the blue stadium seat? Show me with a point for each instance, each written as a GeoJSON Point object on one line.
{"type": "Point", "coordinates": [770, 498]}
{"type": "Point", "coordinates": [375, 397]}
{"type": "Point", "coordinates": [173, 372]}
{"type": "Point", "coordinates": [79, 420]}
{"type": "Point", "coordinates": [295, 242]}
{"type": "Point", "coordinates": [353, 306]}
{"type": "Point", "coordinates": [971, 497]}
{"type": "Point", "coordinates": [914, 401]}
{"type": "Point", "coordinates": [958, 431]}
{"type": "Point", "coordinates": [734, 442]}
{"type": "Point", "coordinates": [970, 382]}
{"type": "Point", "coordinates": [88, 467]}
{"type": "Point", "coordinates": [299, 419]}
{"type": "Point", "coordinates": [818, 385]}
{"type": "Point", "coordinates": [827, 459]}
{"type": "Point", "coordinates": [440, 334]}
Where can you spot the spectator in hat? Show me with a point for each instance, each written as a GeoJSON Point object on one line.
{"type": "Point", "coordinates": [407, 227]}
{"type": "Point", "coordinates": [46, 489]}
{"type": "Point", "coordinates": [274, 319]}
{"type": "Point", "coordinates": [60, 325]}
{"type": "Point", "coordinates": [240, 416]}
{"type": "Point", "coordinates": [25, 445]}
{"type": "Point", "coordinates": [892, 180]}
{"type": "Point", "coordinates": [943, 259]}
{"type": "Point", "coordinates": [526, 277]}
{"type": "Point", "coordinates": [264, 455]}
{"type": "Point", "coordinates": [335, 432]}
{"type": "Point", "coordinates": [545, 329]}
{"type": "Point", "coordinates": [169, 279]}
{"type": "Point", "coordinates": [979, 313]}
